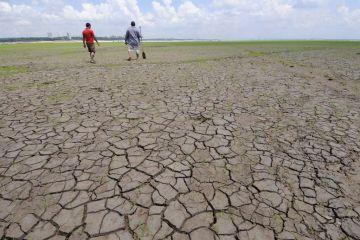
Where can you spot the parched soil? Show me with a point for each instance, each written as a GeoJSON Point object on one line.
{"type": "Point", "coordinates": [195, 142]}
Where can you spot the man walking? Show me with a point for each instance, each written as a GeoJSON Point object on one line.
{"type": "Point", "coordinates": [132, 39]}
{"type": "Point", "coordinates": [88, 41]}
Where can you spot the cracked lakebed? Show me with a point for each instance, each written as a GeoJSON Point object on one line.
{"type": "Point", "coordinates": [236, 146]}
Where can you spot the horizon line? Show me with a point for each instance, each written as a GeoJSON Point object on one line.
{"type": "Point", "coordinates": [190, 39]}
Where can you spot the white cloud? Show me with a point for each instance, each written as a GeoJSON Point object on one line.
{"type": "Point", "coordinates": [22, 23]}
{"type": "Point", "coordinates": [88, 11]}
{"type": "Point", "coordinates": [352, 17]}
{"type": "Point", "coordinates": [165, 10]}
{"type": "Point", "coordinates": [310, 3]}
{"type": "Point", "coordinates": [188, 8]}
{"type": "Point", "coordinates": [226, 19]}
{"type": "Point", "coordinates": [187, 11]}
{"type": "Point", "coordinates": [5, 7]}
{"type": "Point", "coordinates": [274, 7]}
{"type": "Point", "coordinates": [265, 8]}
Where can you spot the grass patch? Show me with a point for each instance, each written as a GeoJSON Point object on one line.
{"type": "Point", "coordinates": [21, 85]}
{"type": "Point", "coordinates": [283, 44]}
{"type": "Point", "coordinates": [44, 84]}
{"type": "Point", "coordinates": [204, 60]}
{"type": "Point", "coordinates": [11, 87]}
{"type": "Point", "coordinates": [111, 65]}
{"type": "Point", "coordinates": [198, 60]}
{"type": "Point", "coordinates": [287, 63]}
{"type": "Point", "coordinates": [255, 54]}
{"type": "Point", "coordinates": [60, 97]}
{"type": "Point", "coordinates": [143, 231]}
{"type": "Point", "coordinates": [39, 46]}
{"type": "Point", "coordinates": [265, 43]}
{"type": "Point", "coordinates": [6, 71]}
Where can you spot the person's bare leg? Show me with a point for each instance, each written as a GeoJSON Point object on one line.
{"type": "Point", "coordinates": [93, 56]}
{"type": "Point", "coordinates": [129, 53]}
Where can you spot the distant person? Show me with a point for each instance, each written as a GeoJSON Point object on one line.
{"type": "Point", "coordinates": [132, 39]}
{"type": "Point", "coordinates": [88, 41]}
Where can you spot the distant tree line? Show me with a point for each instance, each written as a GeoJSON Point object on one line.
{"type": "Point", "coordinates": [64, 38]}
{"type": "Point", "coordinates": [111, 38]}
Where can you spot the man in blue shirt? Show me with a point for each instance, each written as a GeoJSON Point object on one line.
{"type": "Point", "coordinates": [132, 39]}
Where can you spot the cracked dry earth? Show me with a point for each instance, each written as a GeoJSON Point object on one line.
{"type": "Point", "coordinates": [239, 147]}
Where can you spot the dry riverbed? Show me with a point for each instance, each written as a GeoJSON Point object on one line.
{"type": "Point", "coordinates": [252, 140]}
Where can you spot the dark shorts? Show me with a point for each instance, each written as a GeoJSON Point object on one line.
{"type": "Point", "coordinates": [91, 47]}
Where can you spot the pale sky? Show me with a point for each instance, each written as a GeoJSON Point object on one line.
{"type": "Point", "coordinates": [205, 19]}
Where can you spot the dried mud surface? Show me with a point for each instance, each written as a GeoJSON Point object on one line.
{"type": "Point", "coordinates": [192, 143]}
